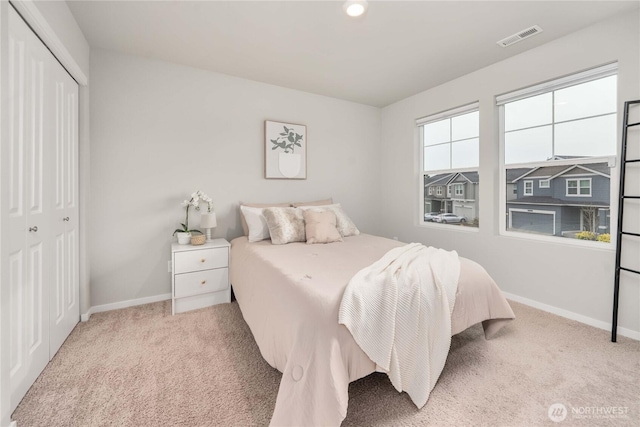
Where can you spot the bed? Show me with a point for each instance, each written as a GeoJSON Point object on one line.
{"type": "Point", "coordinates": [290, 297]}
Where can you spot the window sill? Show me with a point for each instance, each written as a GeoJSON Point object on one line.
{"type": "Point", "coordinates": [449, 227]}
{"type": "Point", "coordinates": [562, 241]}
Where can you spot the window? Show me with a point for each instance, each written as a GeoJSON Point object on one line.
{"type": "Point", "coordinates": [579, 187]}
{"type": "Point", "coordinates": [563, 134]}
{"type": "Point", "coordinates": [528, 188]}
{"type": "Point", "coordinates": [430, 191]}
{"type": "Point", "coordinates": [449, 154]}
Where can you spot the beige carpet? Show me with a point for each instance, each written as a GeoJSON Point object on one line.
{"type": "Point", "coordinates": [143, 367]}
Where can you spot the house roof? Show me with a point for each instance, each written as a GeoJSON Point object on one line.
{"type": "Point", "coordinates": [440, 179]}
{"type": "Point", "coordinates": [541, 200]}
{"type": "Point", "coordinates": [556, 171]}
{"type": "Point", "coordinates": [513, 174]}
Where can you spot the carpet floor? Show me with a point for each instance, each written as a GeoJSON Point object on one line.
{"type": "Point", "coordinates": [141, 366]}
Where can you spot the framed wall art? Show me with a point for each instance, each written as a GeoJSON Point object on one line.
{"type": "Point", "coordinates": [285, 150]}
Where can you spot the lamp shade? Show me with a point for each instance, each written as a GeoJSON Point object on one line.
{"type": "Point", "coordinates": [208, 220]}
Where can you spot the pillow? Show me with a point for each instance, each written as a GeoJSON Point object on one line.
{"type": "Point", "coordinates": [256, 223]}
{"type": "Point", "coordinates": [345, 226]}
{"type": "Point", "coordinates": [316, 203]}
{"type": "Point", "coordinates": [245, 228]}
{"type": "Point", "coordinates": [320, 227]}
{"type": "Point", "coordinates": [286, 225]}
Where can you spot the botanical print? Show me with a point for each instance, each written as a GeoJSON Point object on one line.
{"type": "Point", "coordinates": [285, 150]}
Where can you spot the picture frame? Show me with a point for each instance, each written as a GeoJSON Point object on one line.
{"type": "Point", "coordinates": [285, 150]}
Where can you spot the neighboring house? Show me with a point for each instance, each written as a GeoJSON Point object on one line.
{"type": "Point", "coordinates": [452, 193]}
{"type": "Point", "coordinates": [560, 200]}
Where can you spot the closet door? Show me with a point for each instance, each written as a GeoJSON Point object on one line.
{"type": "Point", "coordinates": [64, 308]}
{"type": "Point", "coordinates": [27, 208]}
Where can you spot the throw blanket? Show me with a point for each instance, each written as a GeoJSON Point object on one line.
{"type": "Point", "coordinates": [399, 312]}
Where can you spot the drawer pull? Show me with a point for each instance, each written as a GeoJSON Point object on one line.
{"type": "Point", "coordinates": [202, 260]}
{"type": "Point", "coordinates": [203, 282]}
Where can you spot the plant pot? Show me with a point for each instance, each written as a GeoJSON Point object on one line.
{"type": "Point", "coordinates": [184, 238]}
{"type": "Point", "coordinates": [289, 164]}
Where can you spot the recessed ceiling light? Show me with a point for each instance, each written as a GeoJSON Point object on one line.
{"type": "Point", "coordinates": [355, 8]}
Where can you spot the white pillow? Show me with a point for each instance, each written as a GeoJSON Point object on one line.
{"type": "Point", "coordinates": [258, 229]}
{"type": "Point", "coordinates": [345, 226]}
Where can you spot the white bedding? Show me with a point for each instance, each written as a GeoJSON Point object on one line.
{"type": "Point", "coordinates": [399, 309]}
{"type": "Point", "coordinates": [290, 296]}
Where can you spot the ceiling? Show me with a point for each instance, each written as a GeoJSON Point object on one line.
{"type": "Point", "coordinates": [397, 49]}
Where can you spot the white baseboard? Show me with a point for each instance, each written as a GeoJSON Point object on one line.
{"type": "Point", "coordinates": [629, 333]}
{"type": "Point", "coordinates": [123, 304]}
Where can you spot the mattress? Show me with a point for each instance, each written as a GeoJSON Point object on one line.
{"type": "Point", "coordinates": [290, 296]}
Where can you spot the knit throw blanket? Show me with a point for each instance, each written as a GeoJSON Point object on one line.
{"type": "Point", "coordinates": [399, 312]}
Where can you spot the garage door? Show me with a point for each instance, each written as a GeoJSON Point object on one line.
{"type": "Point", "coordinates": [533, 222]}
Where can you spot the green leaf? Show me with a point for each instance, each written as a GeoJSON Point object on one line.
{"type": "Point", "coordinates": [290, 138]}
{"type": "Point", "coordinates": [284, 134]}
{"type": "Point", "coordinates": [275, 148]}
{"type": "Point", "coordinates": [275, 141]}
{"type": "Point", "coordinates": [286, 129]}
{"type": "Point", "coordinates": [298, 144]}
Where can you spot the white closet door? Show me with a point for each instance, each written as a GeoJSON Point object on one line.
{"type": "Point", "coordinates": [29, 231]}
{"type": "Point", "coordinates": [64, 309]}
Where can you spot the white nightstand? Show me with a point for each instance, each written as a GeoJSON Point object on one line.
{"type": "Point", "coordinates": [200, 275]}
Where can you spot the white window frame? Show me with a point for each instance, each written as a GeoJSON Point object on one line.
{"type": "Point", "coordinates": [430, 190]}
{"type": "Point", "coordinates": [547, 183]}
{"type": "Point", "coordinates": [578, 182]}
{"type": "Point", "coordinates": [419, 141]}
{"type": "Point", "coordinates": [458, 187]}
{"type": "Point", "coordinates": [572, 80]}
{"type": "Point", "coordinates": [439, 190]}
{"type": "Point", "coordinates": [449, 190]}
{"type": "Point", "coordinates": [524, 187]}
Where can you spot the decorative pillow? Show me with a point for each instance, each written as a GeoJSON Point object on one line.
{"type": "Point", "coordinates": [286, 225]}
{"type": "Point", "coordinates": [256, 223]}
{"type": "Point", "coordinates": [345, 226]}
{"type": "Point", "coordinates": [320, 227]}
{"type": "Point", "coordinates": [243, 221]}
{"type": "Point", "coordinates": [324, 202]}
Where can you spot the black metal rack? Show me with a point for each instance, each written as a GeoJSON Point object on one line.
{"type": "Point", "coordinates": [621, 201]}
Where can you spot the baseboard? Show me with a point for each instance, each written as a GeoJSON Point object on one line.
{"type": "Point", "coordinates": [123, 304]}
{"type": "Point", "coordinates": [629, 333]}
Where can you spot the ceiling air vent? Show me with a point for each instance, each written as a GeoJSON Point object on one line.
{"type": "Point", "coordinates": [524, 34]}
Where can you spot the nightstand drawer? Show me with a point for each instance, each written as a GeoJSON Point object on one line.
{"type": "Point", "coordinates": [203, 259]}
{"type": "Point", "coordinates": [201, 282]}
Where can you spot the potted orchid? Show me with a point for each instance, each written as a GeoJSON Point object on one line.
{"type": "Point", "coordinates": [184, 234]}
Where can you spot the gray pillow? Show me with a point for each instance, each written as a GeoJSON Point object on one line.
{"type": "Point", "coordinates": [286, 225]}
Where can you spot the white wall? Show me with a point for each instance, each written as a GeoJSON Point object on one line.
{"type": "Point", "coordinates": [574, 279]}
{"type": "Point", "coordinates": [160, 131]}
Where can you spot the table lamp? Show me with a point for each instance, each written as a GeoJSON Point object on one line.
{"type": "Point", "coordinates": [208, 221]}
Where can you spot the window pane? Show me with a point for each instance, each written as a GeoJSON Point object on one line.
{"type": "Point", "coordinates": [465, 126]}
{"type": "Point", "coordinates": [437, 132]}
{"type": "Point", "coordinates": [528, 112]}
{"type": "Point", "coordinates": [465, 153]}
{"type": "Point", "coordinates": [576, 208]}
{"type": "Point", "coordinates": [587, 99]}
{"type": "Point", "coordinates": [530, 145]}
{"type": "Point", "coordinates": [437, 157]}
{"type": "Point", "coordinates": [587, 138]}
{"type": "Point", "coordinates": [460, 207]}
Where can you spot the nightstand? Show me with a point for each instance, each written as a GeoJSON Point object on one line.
{"type": "Point", "coordinates": [200, 275]}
